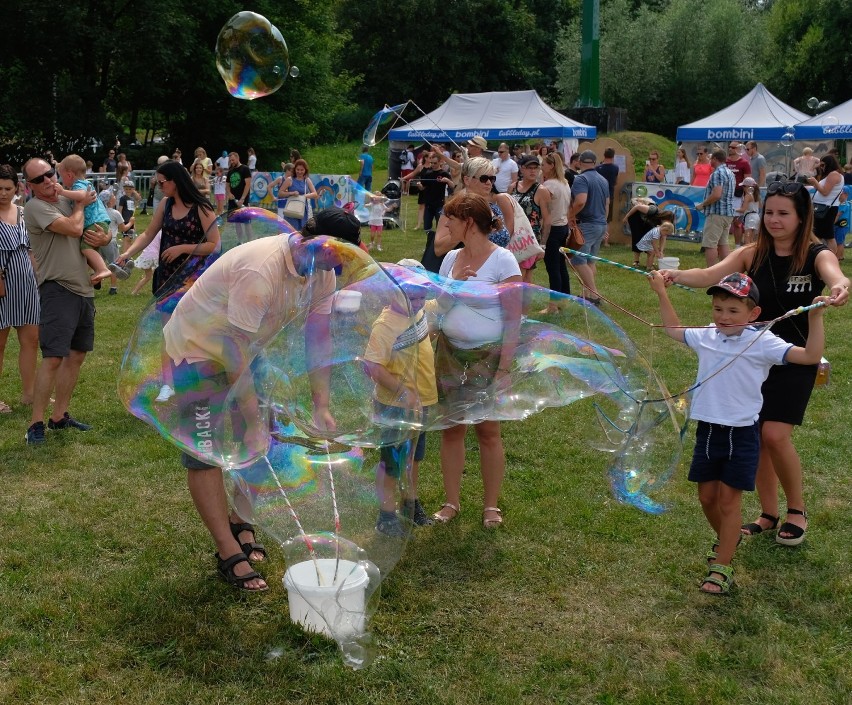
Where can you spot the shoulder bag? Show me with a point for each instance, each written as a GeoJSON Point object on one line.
{"type": "Point", "coordinates": [294, 208]}
{"type": "Point", "coordinates": [575, 239]}
{"type": "Point", "coordinates": [523, 243]}
{"type": "Point", "coordinates": [821, 209]}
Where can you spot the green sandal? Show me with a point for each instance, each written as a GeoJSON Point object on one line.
{"type": "Point", "coordinates": [725, 583]}
{"type": "Point", "coordinates": [711, 554]}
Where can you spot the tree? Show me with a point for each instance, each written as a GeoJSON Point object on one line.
{"type": "Point", "coordinates": [657, 66]}
{"type": "Point", "coordinates": [810, 50]}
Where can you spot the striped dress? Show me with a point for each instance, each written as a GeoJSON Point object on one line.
{"type": "Point", "coordinates": [20, 306]}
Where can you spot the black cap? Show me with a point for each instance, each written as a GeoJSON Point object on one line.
{"type": "Point", "coordinates": [529, 159]}
{"type": "Point", "coordinates": [335, 222]}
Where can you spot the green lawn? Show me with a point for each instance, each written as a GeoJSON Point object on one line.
{"type": "Point", "coordinates": [108, 591]}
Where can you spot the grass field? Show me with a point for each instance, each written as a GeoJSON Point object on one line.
{"type": "Point", "coordinates": [108, 591]}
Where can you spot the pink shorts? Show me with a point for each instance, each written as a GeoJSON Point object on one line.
{"type": "Point", "coordinates": [220, 196]}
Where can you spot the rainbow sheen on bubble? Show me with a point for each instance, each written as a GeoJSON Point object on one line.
{"type": "Point", "coordinates": [316, 484]}
{"type": "Point", "coordinates": [381, 124]}
{"type": "Point", "coordinates": [252, 56]}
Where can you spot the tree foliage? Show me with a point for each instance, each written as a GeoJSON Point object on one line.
{"type": "Point", "coordinates": [77, 71]}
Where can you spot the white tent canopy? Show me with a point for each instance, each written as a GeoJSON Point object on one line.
{"type": "Point", "coordinates": [759, 115]}
{"type": "Point", "coordinates": [504, 116]}
{"type": "Point", "coordinates": [834, 124]}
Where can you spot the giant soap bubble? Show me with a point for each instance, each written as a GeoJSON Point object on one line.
{"type": "Point", "coordinates": [293, 410]}
{"type": "Point", "coordinates": [252, 56]}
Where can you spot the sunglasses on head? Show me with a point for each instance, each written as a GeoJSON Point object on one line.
{"type": "Point", "coordinates": [485, 178]}
{"type": "Point", "coordinates": [41, 177]}
{"type": "Point", "coordinates": [786, 187]}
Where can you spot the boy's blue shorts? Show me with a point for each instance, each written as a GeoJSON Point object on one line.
{"type": "Point", "coordinates": [726, 453]}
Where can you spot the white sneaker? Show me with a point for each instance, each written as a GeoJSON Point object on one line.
{"type": "Point", "coordinates": [166, 393]}
{"type": "Point", "coordinates": [379, 248]}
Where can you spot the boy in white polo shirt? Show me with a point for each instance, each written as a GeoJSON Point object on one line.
{"type": "Point", "coordinates": [734, 359]}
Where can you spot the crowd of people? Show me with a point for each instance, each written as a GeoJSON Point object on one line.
{"type": "Point", "coordinates": [469, 204]}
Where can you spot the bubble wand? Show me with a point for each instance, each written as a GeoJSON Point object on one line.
{"type": "Point", "coordinates": [295, 516]}
{"type": "Point", "coordinates": [565, 250]}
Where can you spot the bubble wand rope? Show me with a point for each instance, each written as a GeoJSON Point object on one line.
{"type": "Point", "coordinates": [565, 250]}
{"type": "Point", "coordinates": [336, 521]}
{"type": "Point", "coordinates": [295, 516]}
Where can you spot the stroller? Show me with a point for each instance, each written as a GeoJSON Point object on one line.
{"type": "Point", "coordinates": [392, 190]}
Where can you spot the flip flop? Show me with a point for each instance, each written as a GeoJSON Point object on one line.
{"type": "Point", "coordinates": [5, 408]}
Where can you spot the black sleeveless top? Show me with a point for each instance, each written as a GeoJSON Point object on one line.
{"type": "Point", "coordinates": [781, 291]}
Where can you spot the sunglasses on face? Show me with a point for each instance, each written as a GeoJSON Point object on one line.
{"type": "Point", "coordinates": [485, 178]}
{"type": "Point", "coordinates": [788, 188]}
{"type": "Point", "coordinates": [41, 177]}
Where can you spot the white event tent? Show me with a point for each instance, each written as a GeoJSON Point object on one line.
{"type": "Point", "coordinates": [498, 116]}
{"type": "Point", "coordinates": [758, 116]}
{"type": "Point", "coordinates": [834, 124]}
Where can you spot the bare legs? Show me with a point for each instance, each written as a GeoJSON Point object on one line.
{"type": "Point", "coordinates": [779, 462]}
{"type": "Point", "coordinates": [492, 462]}
{"type": "Point", "coordinates": [207, 490]}
{"type": "Point", "coordinates": [27, 358]}
{"type": "Point", "coordinates": [61, 372]}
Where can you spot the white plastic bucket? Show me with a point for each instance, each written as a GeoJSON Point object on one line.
{"type": "Point", "coordinates": [341, 604]}
{"type": "Point", "coordinates": [669, 262]}
{"type": "Point", "coordinates": [347, 301]}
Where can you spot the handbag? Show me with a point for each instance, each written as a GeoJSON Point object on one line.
{"type": "Point", "coordinates": [575, 239]}
{"type": "Point", "coordinates": [523, 243]}
{"type": "Point", "coordinates": [821, 209]}
{"type": "Point", "coordinates": [294, 208]}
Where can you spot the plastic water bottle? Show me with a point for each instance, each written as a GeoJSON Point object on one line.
{"type": "Point", "coordinates": [823, 373]}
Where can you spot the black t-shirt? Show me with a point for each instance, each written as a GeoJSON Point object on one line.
{"type": "Point", "coordinates": [434, 191]}
{"type": "Point", "coordinates": [125, 209]}
{"type": "Point", "coordinates": [109, 164]}
{"type": "Point", "coordinates": [610, 172]}
{"type": "Point", "coordinates": [238, 179]}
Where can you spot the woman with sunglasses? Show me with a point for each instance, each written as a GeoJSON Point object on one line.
{"type": "Point", "coordinates": [828, 188]}
{"type": "Point", "coordinates": [187, 225]}
{"type": "Point", "coordinates": [790, 267]}
{"type": "Point", "coordinates": [478, 176]}
{"type": "Point", "coordinates": [655, 173]}
{"type": "Point", "coordinates": [475, 347]}
{"type": "Point", "coordinates": [19, 306]}
{"type": "Point", "coordinates": [702, 168]}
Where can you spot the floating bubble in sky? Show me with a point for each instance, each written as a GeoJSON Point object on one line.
{"type": "Point", "coordinates": [830, 121]}
{"type": "Point", "coordinates": [294, 72]}
{"type": "Point", "coordinates": [813, 102]}
{"type": "Point", "coordinates": [787, 139]}
{"type": "Point", "coordinates": [381, 123]}
{"type": "Point", "coordinates": [251, 56]}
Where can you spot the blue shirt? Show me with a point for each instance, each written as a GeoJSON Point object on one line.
{"type": "Point", "coordinates": [596, 188]}
{"type": "Point", "coordinates": [725, 205]}
{"type": "Point", "coordinates": [367, 166]}
{"type": "Point", "coordinates": [95, 212]}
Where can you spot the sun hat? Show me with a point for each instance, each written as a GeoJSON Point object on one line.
{"type": "Point", "coordinates": [478, 141]}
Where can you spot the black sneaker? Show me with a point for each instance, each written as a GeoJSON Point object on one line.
{"type": "Point", "coordinates": [113, 291]}
{"type": "Point", "coordinates": [389, 525]}
{"type": "Point", "coordinates": [67, 422]}
{"type": "Point", "coordinates": [35, 434]}
{"type": "Point", "coordinates": [412, 509]}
